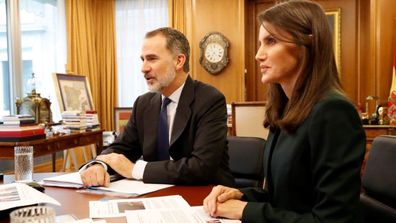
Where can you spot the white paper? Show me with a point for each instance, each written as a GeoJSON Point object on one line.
{"type": "Point", "coordinates": [161, 216]}
{"type": "Point", "coordinates": [199, 213]}
{"type": "Point", "coordinates": [62, 219]}
{"type": "Point", "coordinates": [117, 208]}
{"type": "Point", "coordinates": [125, 186]}
{"type": "Point", "coordinates": [179, 215]}
{"type": "Point", "coordinates": [19, 194]}
{"type": "Point", "coordinates": [86, 220]}
{"type": "Point", "coordinates": [134, 187]}
{"type": "Point", "coordinates": [65, 180]}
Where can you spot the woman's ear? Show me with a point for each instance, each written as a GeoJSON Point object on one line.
{"type": "Point", "coordinates": [180, 61]}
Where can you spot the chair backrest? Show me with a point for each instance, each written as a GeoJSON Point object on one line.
{"type": "Point", "coordinates": [121, 117]}
{"type": "Point", "coordinates": [379, 181]}
{"type": "Point", "coordinates": [248, 118]}
{"type": "Point", "coordinates": [246, 160]}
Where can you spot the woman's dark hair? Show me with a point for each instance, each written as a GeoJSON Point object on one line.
{"type": "Point", "coordinates": [306, 23]}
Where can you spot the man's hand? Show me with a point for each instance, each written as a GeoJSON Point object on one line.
{"type": "Point", "coordinates": [95, 175]}
{"type": "Point", "coordinates": [118, 163]}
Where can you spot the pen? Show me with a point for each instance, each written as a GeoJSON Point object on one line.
{"type": "Point", "coordinates": [94, 190]}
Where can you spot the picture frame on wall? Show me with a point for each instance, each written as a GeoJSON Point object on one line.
{"type": "Point", "coordinates": [73, 92]}
{"type": "Point", "coordinates": [334, 20]}
{"type": "Point", "coordinates": [121, 117]}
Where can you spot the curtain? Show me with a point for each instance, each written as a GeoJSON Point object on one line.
{"type": "Point", "coordinates": [106, 57]}
{"type": "Point", "coordinates": [177, 15]}
{"type": "Point", "coordinates": [91, 51]}
{"type": "Point", "coordinates": [178, 20]}
{"type": "Point", "coordinates": [133, 19]}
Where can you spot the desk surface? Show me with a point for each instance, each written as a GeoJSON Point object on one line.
{"type": "Point", "coordinates": [77, 203]}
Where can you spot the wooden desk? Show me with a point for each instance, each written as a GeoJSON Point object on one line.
{"type": "Point", "coordinates": [77, 203]}
{"type": "Point", "coordinates": [373, 131]}
{"type": "Point", "coordinates": [54, 144]}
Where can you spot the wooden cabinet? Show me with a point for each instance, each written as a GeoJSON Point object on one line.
{"type": "Point", "coordinates": [373, 131]}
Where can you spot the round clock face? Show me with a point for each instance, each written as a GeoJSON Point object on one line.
{"type": "Point", "coordinates": [214, 52]}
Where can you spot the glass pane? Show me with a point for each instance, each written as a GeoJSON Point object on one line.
{"type": "Point", "coordinates": [42, 25]}
{"type": "Point", "coordinates": [4, 68]}
{"type": "Point", "coordinates": [133, 20]}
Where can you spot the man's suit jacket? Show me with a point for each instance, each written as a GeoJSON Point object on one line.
{"type": "Point", "coordinates": [198, 143]}
{"type": "Point", "coordinates": [313, 175]}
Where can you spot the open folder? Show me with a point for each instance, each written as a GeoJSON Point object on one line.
{"type": "Point", "coordinates": [124, 186]}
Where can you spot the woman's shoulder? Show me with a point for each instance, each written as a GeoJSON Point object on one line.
{"type": "Point", "coordinates": [334, 105]}
{"type": "Point", "coordinates": [334, 100]}
{"type": "Point", "coordinates": [336, 112]}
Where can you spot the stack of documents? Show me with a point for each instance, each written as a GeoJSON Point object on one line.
{"type": "Point", "coordinates": [173, 209]}
{"type": "Point", "coordinates": [124, 186]}
{"type": "Point", "coordinates": [19, 194]}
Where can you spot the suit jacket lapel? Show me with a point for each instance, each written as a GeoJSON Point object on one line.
{"type": "Point", "coordinates": [183, 111]}
{"type": "Point", "coordinates": [151, 128]}
{"type": "Point", "coordinates": [269, 146]}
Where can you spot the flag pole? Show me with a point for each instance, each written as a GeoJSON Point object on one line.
{"type": "Point", "coordinates": [392, 91]}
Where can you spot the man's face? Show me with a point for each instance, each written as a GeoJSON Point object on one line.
{"type": "Point", "coordinates": [158, 63]}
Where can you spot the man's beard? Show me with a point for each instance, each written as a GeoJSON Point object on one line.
{"type": "Point", "coordinates": [163, 81]}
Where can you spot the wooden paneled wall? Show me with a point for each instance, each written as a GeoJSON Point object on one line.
{"type": "Point", "coordinates": [376, 73]}
{"type": "Point", "coordinates": [367, 32]}
{"type": "Point", "coordinates": [349, 45]}
{"type": "Point", "coordinates": [226, 17]}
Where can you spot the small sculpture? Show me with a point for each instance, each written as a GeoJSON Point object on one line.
{"type": "Point", "coordinates": [35, 105]}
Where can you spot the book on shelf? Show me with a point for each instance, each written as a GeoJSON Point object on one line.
{"type": "Point", "coordinates": [18, 122]}
{"type": "Point", "coordinates": [17, 119]}
{"type": "Point", "coordinates": [21, 133]}
{"type": "Point", "coordinates": [17, 126]}
{"type": "Point", "coordinates": [91, 112]}
{"type": "Point", "coordinates": [71, 113]}
{"type": "Point", "coordinates": [78, 121]}
{"type": "Point", "coordinates": [22, 139]}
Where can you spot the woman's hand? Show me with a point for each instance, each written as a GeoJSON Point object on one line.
{"type": "Point", "coordinates": [218, 195]}
{"type": "Point", "coordinates": [231, 209]}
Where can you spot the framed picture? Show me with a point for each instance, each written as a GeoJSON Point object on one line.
{"type": "Point", "coordinates": [73, 92]}
{"type": "Point", "coordinates": [121, 117]}
{"type": "Point", "coordinates": [334, 19]}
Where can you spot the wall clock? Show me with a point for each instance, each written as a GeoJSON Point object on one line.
{"type": "Point", "coordinates": [214, 52]}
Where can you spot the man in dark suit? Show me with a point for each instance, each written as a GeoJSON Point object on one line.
{"type": "Point", "coordinates": [194, 136]}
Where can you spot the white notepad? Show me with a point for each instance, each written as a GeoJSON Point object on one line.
{"type": "Point", "coordinates": [125, 186]}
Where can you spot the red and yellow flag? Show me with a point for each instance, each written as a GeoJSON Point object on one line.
{"type": "Point", "coordinates": [392, 95]}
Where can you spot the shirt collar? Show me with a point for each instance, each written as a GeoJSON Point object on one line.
{"type": "Point", "coordinates": [175, 96]}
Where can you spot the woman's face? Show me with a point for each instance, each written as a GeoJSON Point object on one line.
{"type": "Point", "coordinates": [279, 61]}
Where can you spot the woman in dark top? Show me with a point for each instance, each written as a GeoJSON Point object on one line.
{"type": "Point", "coordinates": [316, 144]}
